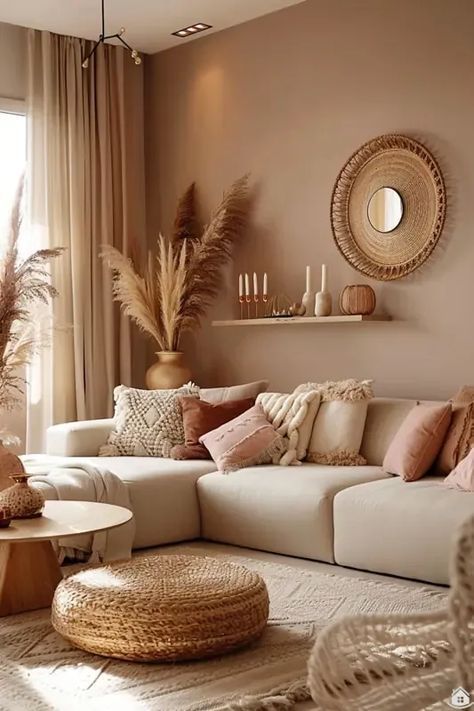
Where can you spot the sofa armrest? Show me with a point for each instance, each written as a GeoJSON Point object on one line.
{"type": "Point", "coordinates": [78, 439]}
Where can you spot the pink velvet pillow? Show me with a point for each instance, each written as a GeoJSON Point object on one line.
{"type": "Point", "coordinates": [246, 440]}
{"type": "Point", "coordinates": [418, 441]}
{"type": "Point", "coordinates": [462, 476]}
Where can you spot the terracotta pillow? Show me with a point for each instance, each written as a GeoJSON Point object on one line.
{"type": "Point", "coordinates": [245, 441]}
{"type": "Point", "coordinates": [460, 436]}
{"type": "Point", "coordinates": [417, 442]}
{"type": "Point", "coordinates": [200, 417]}
{"type": "Point", "coordinates": [462, 477]}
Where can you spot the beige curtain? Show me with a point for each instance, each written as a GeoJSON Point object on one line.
{"type": "Point", "coordinates": [86, 189]}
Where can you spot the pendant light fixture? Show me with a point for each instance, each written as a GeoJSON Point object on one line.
{"type": "Point", "coordinates": [103, 37]}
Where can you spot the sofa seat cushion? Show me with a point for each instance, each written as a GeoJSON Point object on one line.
{"type": "Point", "coordinates": [163, 496]}
{"type": "Point", "coordinates": [285, 510]}
{"type": "Point", "coordinates": [400, 528]}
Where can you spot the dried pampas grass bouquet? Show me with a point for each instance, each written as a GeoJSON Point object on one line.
{"type": "Point", "coordinates": [24, 283]}
{"type": "Point", "coordinates": [171, 293]}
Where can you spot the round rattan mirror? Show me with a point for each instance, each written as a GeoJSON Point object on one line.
{"type": "Point", "coordinates": [388, 207]}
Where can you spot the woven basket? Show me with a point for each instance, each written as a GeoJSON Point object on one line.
{"type": "Point", "coordinates": [161, 608]}
{"type": "Point", "coordinates": [409, 168]}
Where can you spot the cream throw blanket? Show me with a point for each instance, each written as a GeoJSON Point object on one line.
{"type": "Point", "coordinates": [72, 480]}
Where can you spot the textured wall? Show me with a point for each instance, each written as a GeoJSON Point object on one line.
{"type": "Point", "coordinates": [289, 97]}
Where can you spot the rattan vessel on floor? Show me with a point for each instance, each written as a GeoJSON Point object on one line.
{"type": "Point", "coordinates": [161, 608]}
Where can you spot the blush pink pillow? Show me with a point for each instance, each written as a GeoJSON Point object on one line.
{"type": "Point", "coordinates": [462, 476]}
{"type": "Point", "coordinates": [418, 441]}
{"type": "Point", "coordinates": [246, 440]}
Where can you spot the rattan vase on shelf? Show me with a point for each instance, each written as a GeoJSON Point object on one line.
{"type": "Point", "coordinates": [169, 371]}
{"type": "Point", "coordinates": [357, 299]}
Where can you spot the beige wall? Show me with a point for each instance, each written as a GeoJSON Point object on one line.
{"type": "Point", "coordinates": [12, 61]}
{"type": "Point", "coordinates": [289, 97]}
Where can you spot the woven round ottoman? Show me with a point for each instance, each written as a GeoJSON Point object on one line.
{"type": "Point", "coordinates": [162, 608]}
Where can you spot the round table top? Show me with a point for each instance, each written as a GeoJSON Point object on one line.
{"type": "Point", "coordinates": [66, 518]}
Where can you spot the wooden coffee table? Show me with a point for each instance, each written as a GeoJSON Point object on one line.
{"type": "Point", "coordinates": [29, 568]}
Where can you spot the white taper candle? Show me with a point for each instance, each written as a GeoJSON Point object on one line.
{"type": "Point", "coordinates": [308, 279]}
{"type": "Point", "coordinates": [247, 285]}
{"type": "Point", "coordinates": [255, 284]}
{"type": "Point", "coordinates": [265, 284]}
{"type": "Point", "coordinates": [324, 277]}
{"type": "Point", "coordinates": [241, 286]}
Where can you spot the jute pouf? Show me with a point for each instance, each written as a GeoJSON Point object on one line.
{"type": "Point", "coordinates": [161, 608]}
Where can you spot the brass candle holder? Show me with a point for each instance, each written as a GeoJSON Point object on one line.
{"type": "Point", "coordinates": [255, 298]}
{"type": "Point", "coordinates": [241, 302]}
{"type": "Point", "coordinates": [248, 300]}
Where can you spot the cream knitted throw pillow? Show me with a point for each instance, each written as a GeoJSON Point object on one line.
{"type": "Point", "coordinates": [147, 423]}
{"type": "Point", "coordinates": [339, 425]}
{"type": "Point", "coordinates": [292, 415]}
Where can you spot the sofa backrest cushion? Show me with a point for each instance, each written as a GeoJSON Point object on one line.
{"type": "Point", "coordinates": [384, 417]}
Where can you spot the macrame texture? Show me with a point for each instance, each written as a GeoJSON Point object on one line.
{"type": "Point", "coordinates": [401, 662]}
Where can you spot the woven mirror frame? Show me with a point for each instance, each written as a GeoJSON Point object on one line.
{"type": "Point", "coordinates": [405, 165]}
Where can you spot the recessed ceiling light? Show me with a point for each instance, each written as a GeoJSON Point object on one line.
{"type": "Point", "coordinates": [192, 29]}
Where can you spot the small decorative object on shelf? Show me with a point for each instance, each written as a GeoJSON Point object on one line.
{"type": "Point", "coordinates": [297, 309]}
{"type": "Point", "coordinates": [255, 293]}
{"type": "Point", "coordinates": [5, 516]}
{"type": "Point", "coordinates": [357, 299]}
{"type": "Point", "coordinates": [279, 306]}
{"type": "Point", "coordinates": [323, 306]}
{"type": "Point", "coordinates": [241, 295]}
{"type": "Point", "coordinates": [308, 296]}
{"type": "Point", "coordinates": [24, 501]}
{"type": "Point", "coordinates": [265, 292]}
{"type": "Point", "coordinates": [248, 298]}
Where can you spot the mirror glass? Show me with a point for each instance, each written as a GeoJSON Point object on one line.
{"type": "Point", "coordinates": [385, 210]}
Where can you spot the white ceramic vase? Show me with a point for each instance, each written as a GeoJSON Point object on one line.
{"type": "Point", "coordinates": [323, 302]}
{"type": "Point", "coordinates": [308, 298]}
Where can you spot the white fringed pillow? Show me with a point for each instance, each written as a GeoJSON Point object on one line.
{"type": "Point", "coordinates": [292, 415]}
{"type": "Point", "coordinates": [147, 423]}
{"type": "Point", "coordinates": [339, 425]}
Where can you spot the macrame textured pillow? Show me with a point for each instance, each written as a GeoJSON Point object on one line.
{"type": "Point", "coordinates": [147, 423]}
{"type": "Point", "coordinates": [340, 421]}
{"type": "Point", "coordinates": [292, 415]}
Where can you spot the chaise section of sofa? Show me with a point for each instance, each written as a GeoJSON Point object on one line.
{"type": "Point", "coordinates": [285, 510]}
{"type": "Point", "coordinates": [162, 491]}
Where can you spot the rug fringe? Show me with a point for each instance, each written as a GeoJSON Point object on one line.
{"type": "Point", "coordinates": [276, 700]}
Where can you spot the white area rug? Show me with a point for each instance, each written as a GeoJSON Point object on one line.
{"type": "Point", "coordinates": [41, 671]}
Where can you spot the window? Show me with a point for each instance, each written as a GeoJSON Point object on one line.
{"type": "Point", "coordinates": [12, 156]}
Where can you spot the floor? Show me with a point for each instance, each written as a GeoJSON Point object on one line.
{"type": "Point", "coordinates": [300, 563]}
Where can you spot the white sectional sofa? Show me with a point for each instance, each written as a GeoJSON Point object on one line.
{"type": "Point", "coordinates": [353, 516]}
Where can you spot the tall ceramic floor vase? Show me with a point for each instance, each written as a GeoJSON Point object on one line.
{"type": "Point", "coordinates": [170, 371]}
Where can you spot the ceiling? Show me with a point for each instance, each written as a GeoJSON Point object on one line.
{"type": "Point", "coordinates": [148, 23]}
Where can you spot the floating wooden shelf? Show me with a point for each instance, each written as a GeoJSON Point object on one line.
{"type": "Point", "coordinates": [302, 320]}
